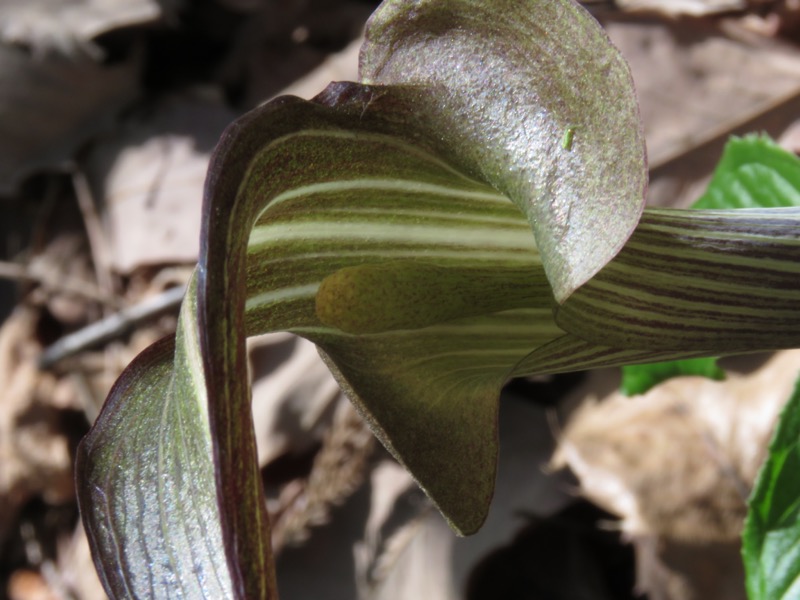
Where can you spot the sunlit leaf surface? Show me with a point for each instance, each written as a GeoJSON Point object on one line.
{"type": "Point", "coordinates": [771, 538]}
{"type": "Point", "coordinates": [366, 221]}
{"type": "Point", "coordinates": [532, 98]}
{"type": "Point", "coordinates": [637, 379]}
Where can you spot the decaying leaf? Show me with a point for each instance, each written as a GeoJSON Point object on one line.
{"type": "Point", "coordinates": [50, 106]}
{"type": "Point", "coordinates": [338, 470]}
{"type": "Point", "coordinates": [678, 8]}
{"type": "Point", "coordinates": [696, 82]}
{"type": "Point", "coordinates": [398, 547]}
{"type": "Point", "coordinates": [149, 179]}
{"type": "Point", "coordinates": [69, 26]}
{"type": "Point", "coordinates": [34, 455]}
{"type": "Point", "coordinates": [294, 395]}
{"type": "Point", "coordinates": [677, 465]}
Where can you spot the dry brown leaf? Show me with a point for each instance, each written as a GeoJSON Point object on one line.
{"type": "Point", "coordinates": [49, 107]}
{"type": "Point", "coordinates": [422, 558]}
{"type": "Point", "coordinates": [390, 539]}
{"type": "Point", "coordinates": [68, 27]}
{"type": "Point", "coordinates": [677, 465]}
{"type": "Point", "coordinates": [338, 470]}
{"type": "Point", "coordinates": [34, 453]}
{"type": "Point", "coordinates": [66, 280]}
{"type": "Point", "coordinates": [678, 8]}
{"type": "Point", "coordinates": [696, 83]}
{"type": "Point", "coordinates": [294, 395]}
{"type": "Point", "coordinates": [149, 179]}
{"type": "Point", "coordinates": [790, 140]}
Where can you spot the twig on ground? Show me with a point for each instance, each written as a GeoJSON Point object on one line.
{"type": "Point", "coordinates": [110, 327]}
{"type": "Point", "coordinates": [10, 270]}
{"type": "Point", "coordinates": [98, 242]}
{"type": "Point", "coordinates": [53, 281]}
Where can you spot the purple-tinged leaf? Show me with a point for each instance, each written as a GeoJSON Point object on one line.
{"type": "Point", "coordinates": [373, 199]}
{"type": "Point", "coordinates": [530, 96]}
{"type": "Point", "coordinates": [714, 282]}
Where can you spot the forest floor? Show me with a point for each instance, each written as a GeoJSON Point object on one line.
{"type": "Point", "coordinates": [109, 111]}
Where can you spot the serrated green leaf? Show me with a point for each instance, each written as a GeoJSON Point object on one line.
{"type": "Point", "coordinates": [771, 537]}
{"type": "Point", "coordinates": [637, 379]}
{"type": "Point", "coordinates": [503, 83]}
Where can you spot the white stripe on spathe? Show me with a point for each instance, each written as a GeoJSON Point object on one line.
{"type": "Point", "coordinates": [430, 235]}
{"type": "Point", "coordinates": [369, 184]}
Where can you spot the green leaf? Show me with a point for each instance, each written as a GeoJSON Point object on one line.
{"type": "Point", "coordinates": [637, 379]}
{"type": "Point", "coordinates": [771, 537]}
{"type": "Point", "coordinates": [754, 172]}
{"type": "Point", "coordinates": [506, 84]}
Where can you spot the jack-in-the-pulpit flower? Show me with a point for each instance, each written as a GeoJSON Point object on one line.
{"type": "Point", "coordinates": [469, 212]}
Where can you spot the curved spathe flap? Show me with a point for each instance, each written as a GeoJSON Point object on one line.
{"type": "Point", "coordinates": [532, 97]}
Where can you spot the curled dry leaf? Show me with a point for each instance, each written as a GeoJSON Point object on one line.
{"type": "Point", "coordinates": [338, 470]}
{"type": "Point", "coordinates": [66, 281]}
{"type": "Point", "coordinates": [677, 465]}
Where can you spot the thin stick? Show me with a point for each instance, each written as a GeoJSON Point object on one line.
{"type": "Point", "coordinates": [10, 270]}
{"type": "Point", "coordinates": [98, 242]}
{"type": "Point", "coordinates": [52, 281]}
{"type": "Point", "coordinates": [110, 327]}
